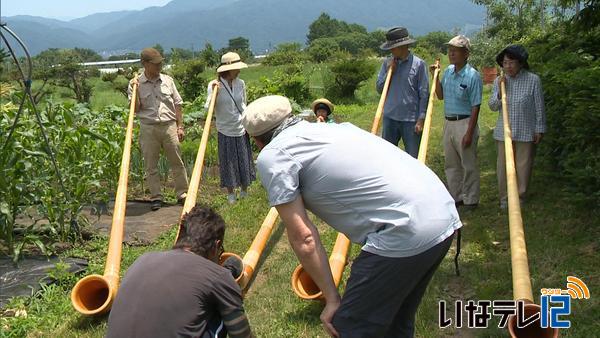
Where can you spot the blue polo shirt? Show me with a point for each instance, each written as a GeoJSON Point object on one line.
{"type": "Point", "coordinates": [462, 90]}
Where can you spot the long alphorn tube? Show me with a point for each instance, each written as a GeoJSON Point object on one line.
{"type": "Point", "coordinates": [252, 256]}
{"type": "Point", "coordinates": [429, 116]}
{"type": "Point", "coordinates": [192, 193]}
{"type": "Point", "coordinates": [302, 284]}
{"type": "Point", "coordinates": [94, 294]}
{"type": "Point", "coordinates": [379, 111]}
{"type": "Point", "coordinates": [518, 249]}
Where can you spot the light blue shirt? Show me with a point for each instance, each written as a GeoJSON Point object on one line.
{"type": "Point", "coordinates": [462, 90]}
{"type": "Point", "coordinates": [361, 185]}
{"type": "Point", "coordinates": [408, 94]}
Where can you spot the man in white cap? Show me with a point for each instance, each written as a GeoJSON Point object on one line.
{"type": "Point", "coordinates": [158, 107]}
{"type": "Point", "coordinates": [408, 94]}
{"type": "Point", "coordinates": [460, 88]}
{"type": "Point", "coordinates": [368, 189]}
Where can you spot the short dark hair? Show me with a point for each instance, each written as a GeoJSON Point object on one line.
{"type": "Point", "coordinates": [199, 230]}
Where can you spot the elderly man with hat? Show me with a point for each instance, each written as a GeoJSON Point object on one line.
{"type": "Point", "coordinates": [236, 164]}
{"type": "Point", "coordinates": [525, 100]}
{"type": "Point", "coordinates": [366, 188]}
{"type": "Point", "coordinates": [408, 94]}
{"type": "Point", "coordinates": [158, 107]}
{"type": "Point", "coordinates": [322, 109]}
{"type": "Point", "coordinates": [461, 89]}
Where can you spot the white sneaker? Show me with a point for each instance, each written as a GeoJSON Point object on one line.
{"type": "Point", "coordinates": [243, 194]}
{"type": "Point", "coordinates": [231, 198]}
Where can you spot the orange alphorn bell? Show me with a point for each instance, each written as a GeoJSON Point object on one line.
{"type": "Point", "coordinates": [94, 294]}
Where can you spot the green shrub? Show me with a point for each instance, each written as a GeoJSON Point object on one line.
{"type": "Point", "coordinates": [289, 82]}
{"type": "Point", "coordinates": [323, 49]}
{"type": "Point", "coordinates": [188, 74]}
{"type": "Point", "coordinates": [285, 54]}
{"type": "Point", "coordinates": [345, 76]}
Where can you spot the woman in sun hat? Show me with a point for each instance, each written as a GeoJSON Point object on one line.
{"type": "Point", "coordinates": [322, 109]}
{"type": "Point", "coordinates": [236, 165]}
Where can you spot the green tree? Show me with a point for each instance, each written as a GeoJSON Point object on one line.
{"type": "Point", "coordinates": [209, 56]}
{"type": "Point", "coordinates": [345, 76]}
{"type": "Point", "coordinates": [188, 74]}
{"type": "Point", "coordinates": [325, 27]}
{"type": "Point", "coordinates": [435, 41]}
{"type": "Point", "coordinates": [61, 67]}
{"type": "Point", "coordinates": [286, 53]}
{"type": "Point", "coordinates": [322, 49]}
{"type": "Point", "coordinates": [87, 55]}
{"type": "Point", "coordinates": [241, 46]}
{"type": "Point", "coordinates": [180, 54]}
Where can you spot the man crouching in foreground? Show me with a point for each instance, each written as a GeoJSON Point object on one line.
{"type": "Point", "coordinates": [182, 292]}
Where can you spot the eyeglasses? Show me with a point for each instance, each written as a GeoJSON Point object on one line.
{"type": "Point", "coordinates": [510, 63]}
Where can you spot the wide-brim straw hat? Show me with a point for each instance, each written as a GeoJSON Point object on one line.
{"type": "Point", "coordinates": [322, 101]}
{"type": "Point", "coordinates": [396, 37]}
{"type": "Point", "coordinates": [231, 61]}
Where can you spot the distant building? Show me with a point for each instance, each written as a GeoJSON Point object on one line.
{"type": "Point", "coordinates": [115, 63]}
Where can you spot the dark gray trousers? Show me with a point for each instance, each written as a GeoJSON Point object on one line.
{"type": "Point", "coordinates": [382, 294]}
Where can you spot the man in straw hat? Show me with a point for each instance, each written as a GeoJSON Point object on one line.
{"type": "Point", "coordinates": [236, 164]}
{"type": "Point", "coordinates": [460, 88]}
{"type": "Point", "coordinates": [158, 107]}
{"type": "Point", "coordinates": [322, 109]}
{"type": "Point", "coordinates": [366, 188]}
{"type": "Point", "coordinates": [527, 117]}
{"type": "Point", "coordinates": [408, 94]}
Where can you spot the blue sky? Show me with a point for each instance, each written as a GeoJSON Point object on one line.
{"type": "Point", "coordinates": [71, 9]}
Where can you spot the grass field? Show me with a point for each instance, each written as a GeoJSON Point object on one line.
{"type": "Point", "coordinates": [562, 239]}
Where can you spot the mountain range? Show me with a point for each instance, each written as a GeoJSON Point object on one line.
{"type": "Point", "coordinates": [266, 23]}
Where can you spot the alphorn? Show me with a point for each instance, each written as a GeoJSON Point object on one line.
{"type": "Point", "coordinates": [428, 116]}
{"type": "Point", "coordinates": [302, 284]}
{"type": "Point", "coordinates": [94, 294]}
{"type": "Point", "coordinates": [379, 111]}
{"type": "Point", "coordinates": [192, 193]}
{"type": "Point", "coordinates": [518, 249]}
{"type": "Point", "coordinates": [252, 256]}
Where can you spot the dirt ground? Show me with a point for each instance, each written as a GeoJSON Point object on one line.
{"type": "Point", "coordinates": [142, 225]}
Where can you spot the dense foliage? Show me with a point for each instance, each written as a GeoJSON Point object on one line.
{"type": "Point", "coordinates": [569, 66]}
{"type": "Point", "coordinates": [345, 76]}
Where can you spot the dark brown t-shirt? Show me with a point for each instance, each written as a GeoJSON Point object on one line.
{"type": "Point", "coordinates": [172, 294]}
